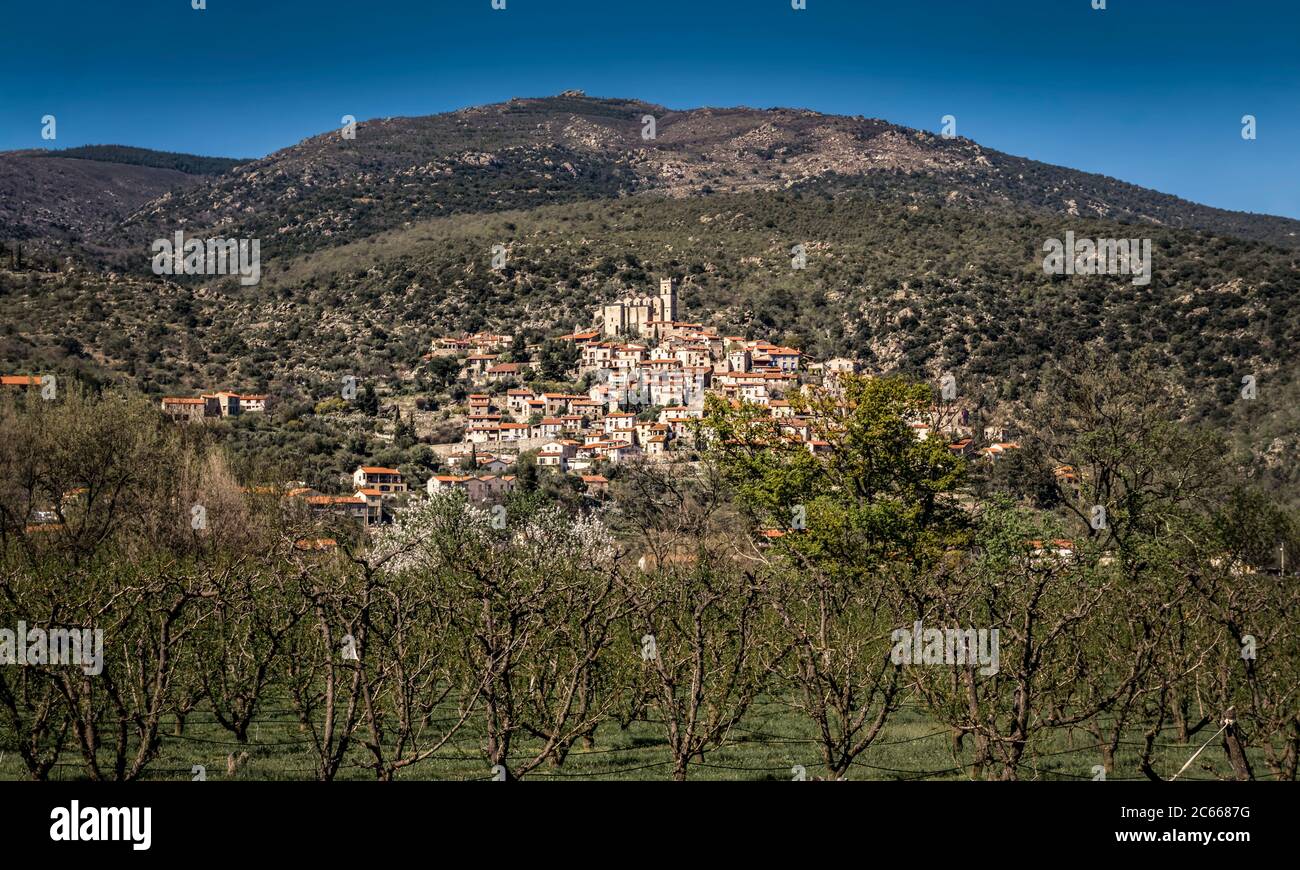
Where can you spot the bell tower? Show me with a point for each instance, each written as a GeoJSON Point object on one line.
{"type": "Point", "coordinates": [668, 299]}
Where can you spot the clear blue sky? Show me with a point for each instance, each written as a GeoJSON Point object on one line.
{"type": "Point", "coordinates": [1149, 91]}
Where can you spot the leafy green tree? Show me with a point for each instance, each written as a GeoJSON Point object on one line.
{"type": "Point", "coordinates": [558, 359]}
{"type": "Point", "coordinates": [368, 401]}
{"type": "Point", "coordinates": [872, 503]}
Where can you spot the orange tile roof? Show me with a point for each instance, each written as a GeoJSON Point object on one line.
{"type": "Point", "coordinates": [335, 499]}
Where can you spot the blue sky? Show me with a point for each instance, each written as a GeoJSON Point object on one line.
{"type": "Point", "coordinates": [1149, 91]}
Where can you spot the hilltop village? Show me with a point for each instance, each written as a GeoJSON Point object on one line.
{"type": "Point", "coordinates": [649, 373]}
{"type": "Point", "coordinates": [646, 375]}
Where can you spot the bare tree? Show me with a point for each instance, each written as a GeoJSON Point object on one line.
{"type": "Point", "coordinates": [697, 611]}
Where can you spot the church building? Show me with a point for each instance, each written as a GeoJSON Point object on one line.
{"type": "Point", "coordinates": [636, 315]}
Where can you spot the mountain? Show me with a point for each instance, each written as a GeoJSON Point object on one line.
{"type": "Point", "coordinates": [524, 153]}
{"type": "Point", "coordinates": [82, 194]}
{"type": "Point", "coordinates": [190, 164]}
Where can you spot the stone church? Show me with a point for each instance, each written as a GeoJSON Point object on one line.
{"type": "Point", "coordinates": [636, 314]}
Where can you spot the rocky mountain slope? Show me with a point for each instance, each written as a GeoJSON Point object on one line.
{"type": "Point", "coordinates": [81, 194]}
{"type": "Point", "coordinates": [329, 190]}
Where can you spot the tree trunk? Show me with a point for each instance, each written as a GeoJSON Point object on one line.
{"type": "Point", "coordinates": [1236, 752]}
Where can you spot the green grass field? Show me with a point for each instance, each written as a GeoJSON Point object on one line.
{"type": "Point", "coordinates": [766, 746]}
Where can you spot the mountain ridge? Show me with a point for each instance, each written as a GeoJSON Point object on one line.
{"type": "Point", "coordinates": [524, 152]}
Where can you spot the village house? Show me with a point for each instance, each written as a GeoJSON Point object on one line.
{"type": "Point", "coordinates": [621, 425]}
{"type": "Point", "coordinates": [486, 342]}
{"type": "Point", "coordinates": [316, 545]}
{"type": "Point", "coordinates": [224, 403]}
{"type": "Point", "coordinates": [796, 427]}
{"type": "Point", "coordinates": [492, 465]}
{"type": "Point", "coordinates": [477, 488]}
{"type": "Point", "coordinates": [555, 403]}
{"type": "Point", "coordinates": [656, 446]}
{"type": "Point", "coordinates": [556, 454]}
{"type": "Point", "coordinates": [374, 505]}
{"type": "Point", "coordinates": [388, 481]}
{"type": "Point", "coordinates": [507, 432]}
{"type": "Point", "coordinates": [353, 507]}
{"type": "Point", "coordinates": [581, 338]}
{"type": "Point", "coordinates": [552, 460]}
{"type": "Point", "coordinates": [483, 433]}
{"type": "Point", "coordinates": [477, 364]}
{"type": "Point", "coordinates": [647, 429]}
{"type": "Point", "coordinates": [517, 402]}
{"type": "Point", "coordinates": [786, 359]}
{"type": "Point", "coordinates": [996, 451]}
{"type": "Point", "coordinates": [183, 409]}
{"type": "Point", "coordinates": [548, 427]}
{"type": "Point", "coordinates": [1001, 432]}
{"type": "Point", "coordinates": [615, 451]}
{"type": "Point", "coordinates": [680, 427]}
{"type": "Point", "coordinates": [506, 371]}
{"type": "Point", "coordinates": [598, 355]}
{"type": "Point", "coordinates": [448, 343]}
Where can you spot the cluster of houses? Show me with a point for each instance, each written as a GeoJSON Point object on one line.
{"type": "Point", "coordinates": [183, 409]}
{"type": "Point", "coordinates": [373, 485]}
{"type": "Point", "coordinates": [482, 361]}
{"type": "Point", "coordinates": [189, 409]}
{"type": "Point", "coordinates": [649, 373]}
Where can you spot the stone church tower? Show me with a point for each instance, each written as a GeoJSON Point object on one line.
{"type": "Point", "coordinates": [634, 315]}
{"type": "Point", "coordinates": [667, 299]}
